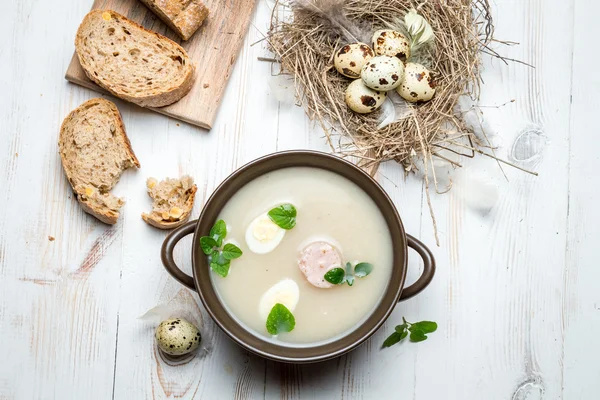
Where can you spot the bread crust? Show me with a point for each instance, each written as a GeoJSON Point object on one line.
{"type": "Point", "coordinates": [104, 214]}
{"type": "Point", "coordinates": [185, 18]}
{"type": "Point", "coordinates": [168, 96]}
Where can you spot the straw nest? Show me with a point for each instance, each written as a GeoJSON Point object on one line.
{"type": "Point", "coordinates": [304, 35]}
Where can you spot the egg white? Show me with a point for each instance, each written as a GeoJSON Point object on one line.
{"type": "Point", "coordinates": [263, 235]}
{"type": "Point", "coordinates": [285, 292]}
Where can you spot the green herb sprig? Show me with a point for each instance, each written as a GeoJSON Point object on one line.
{"type": "Point", "coordinates": [339, 276]}
{"type": "Point", "coordinates": [418, 332]}
{"type": "Point", "coordinates": [284, 216]}
{"type": "Point", "coordinates": [280, 319]}
{"type": "Point", "coordinates": [219, 256]}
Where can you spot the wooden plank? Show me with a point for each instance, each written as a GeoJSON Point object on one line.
{"type": "Point", "coordinates": [502, 257]}
{"type": "Point", "coordinates": [57, 308]}
{"type": "Point", "coordinates": [580, 311]}
{"type": "Point", "coordinates": [213, 49]}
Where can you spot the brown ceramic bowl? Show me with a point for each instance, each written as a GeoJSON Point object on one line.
{"type": "Point", "coordinates": [201, 281]}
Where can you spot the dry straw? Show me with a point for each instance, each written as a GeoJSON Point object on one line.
{"type": "Point", "coordinates": [304, 35]}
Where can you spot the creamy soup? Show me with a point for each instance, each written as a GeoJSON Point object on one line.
{"type": "Point", "coordinates": [331, 210]}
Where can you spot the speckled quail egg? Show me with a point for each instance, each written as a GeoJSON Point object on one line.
{"type": "Point", "coordinates": [362, 99]}
{"type": "Point", "coordinates": [177, 337]}
{"type": "Point", "coordinates": [350, 59]}
{"type": "Point", "coordinates": [418, 84]}
{"type": "Point", "coordinates": [383, 73]}
{"type": "Point", "coordinates": [391, 43]}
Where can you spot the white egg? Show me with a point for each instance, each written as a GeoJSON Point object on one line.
{"type": "Point", "coordinates": [350, 59]}
{"type": "Point", "coordinates": [362, 99]}
{"type": "Point", "coordinates": [418, 84]}
{"type": "Point", "coordinates": [391, 43]}
{"type": "Point", "coordinates": [383, 73]}
{"type": "Point", "coordinates": [285, 292]}
{"type": "Point", "coordinates": [263, 235]}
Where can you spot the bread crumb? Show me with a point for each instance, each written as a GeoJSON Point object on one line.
{"type": "Point", "coordinates": [16, 154]}
{"type": "Point", "coordinates": [177, 124]}
{"type": "Point", "coordinates": [205, 85]}
{"type": "Point", "coordinates": [51, 238]}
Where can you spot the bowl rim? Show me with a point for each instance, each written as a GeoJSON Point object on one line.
{"type": "Point", "coordinates": [322, 350]}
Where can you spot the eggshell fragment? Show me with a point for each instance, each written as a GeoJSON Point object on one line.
{"type": "Point", "coordinates": [383, 73]}
{"type": "Point", "coordinates": [362, 99]}
{"type": "Point", "coordinates": [418, 84]}
{"type": "Point", "coordinates": [350, 59]}
{"type": "Point", "coordinates": [177, 337]}
{"type": "Point", "coordinates": [391, 43]}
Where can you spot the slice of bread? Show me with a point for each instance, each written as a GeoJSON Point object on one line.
{"type": "Point", "coordinates": [183, 16]}
{"type": "Point", "coordinates": [131, 62]}
{"type": "Point", "coordinates": [172, 201]}
{"type": "Point", "coordinates": [95, 150]}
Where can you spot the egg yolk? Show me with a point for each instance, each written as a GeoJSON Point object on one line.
{"type": "Point", "coordinates": [264, 229]}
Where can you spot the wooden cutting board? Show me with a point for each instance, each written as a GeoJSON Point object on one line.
{"type": "Point", "coordinates": [213, 49]}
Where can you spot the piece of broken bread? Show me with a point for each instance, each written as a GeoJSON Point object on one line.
{"type": "Point", "coordinates": [183, 16]}
{"type": "Point", "coordinates": [172, 201]}
{"type": "Point", "coordinates": [95, 150]}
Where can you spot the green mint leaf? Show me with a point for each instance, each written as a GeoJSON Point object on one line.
{"type": "Point", "coordinates": [349, 275]}
{"type": "Point", "coordinates": [417, 335]}
{"type": "Point", "coordinates": [284, 216]}
{"type": "Point", "coordinates": [363, 269]}
{"type": "Point", "coordinates": [214, 255]}
{"type": "Point", "coordinates": [231, 251]}
{"type": "Point", "coordinates": [218, 232]}
{"type": "Point", "coordinates": [221, 269]}
{"type": "Point", "coordinates": [393, 339]}
{"type": "Point", "coordinates": [219, 258]}
{"type": "Point", "coordinates": [401, 328]}
{"type": "Point", "coordinates": [425, 326]}
{"type": "Point", "coordinates": [335, 276]}
{"type": "Point", "coordinates": [280, 319]}
{"type": "Point", "coordinates": [207, 244]}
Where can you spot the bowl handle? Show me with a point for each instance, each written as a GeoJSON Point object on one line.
{"type": "Point", "coordinates": [166, 254]}
{"type": "Point", "coordinates": [428, 269]}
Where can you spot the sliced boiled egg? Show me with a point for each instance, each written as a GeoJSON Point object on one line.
{"type": "Point", "coordinates": [285, 292]}
{"type": "Point", "coordinates": [263, 235]}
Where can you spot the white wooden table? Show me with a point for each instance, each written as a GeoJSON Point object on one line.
{"type": "Point", "coordinates": [516, 293]}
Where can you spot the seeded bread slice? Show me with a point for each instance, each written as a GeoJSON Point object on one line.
{"type": "Point", "coordinates": [131, 62]}
{"type": "Point", "coordinates": [95, 150]}
{"type": "Point", "coordinates": [183, 16]}
{"type": "Point", "coordinates": [173, 200]}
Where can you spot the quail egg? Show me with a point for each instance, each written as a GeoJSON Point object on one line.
{"type": "Point", "coordinates": [418, 84]}
{"type": "Point", "coordinates": [177, 337]}
{"type": "Point", "coordinates": [362, 99]}
{"type": "Point", "coordinates": [391, 43]}
{"type": "Point", "coordinates": [350, 59]}
{"type": "Point", "coordinates": [383, 73]}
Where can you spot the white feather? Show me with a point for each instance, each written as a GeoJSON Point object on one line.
{"type": "Point", "coordinates": [282, 89]}
{"type": "Point", "coordinates": [394, 109]}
